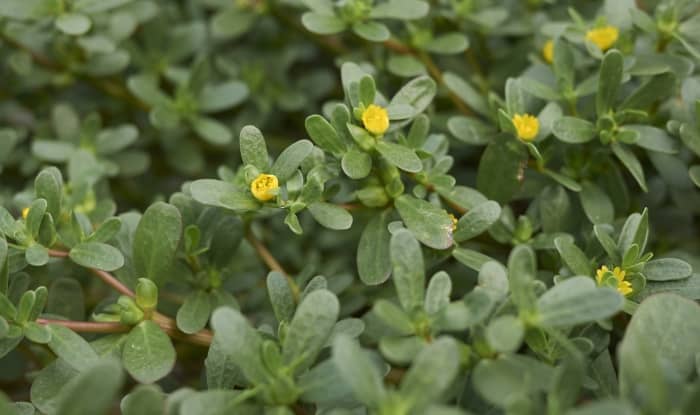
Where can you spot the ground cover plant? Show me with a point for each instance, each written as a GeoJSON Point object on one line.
{"type": "Point", "coordinates": [348, 207]}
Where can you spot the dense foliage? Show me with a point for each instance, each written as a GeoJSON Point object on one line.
{"type": "Point", "coordinates": [346, 207]}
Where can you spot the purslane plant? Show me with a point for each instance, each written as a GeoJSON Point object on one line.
{"type": "Point", "coordinates": [349, 207]}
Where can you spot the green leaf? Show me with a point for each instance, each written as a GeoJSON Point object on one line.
{"type": "Point", "coordinates": [609, 81]}
{"type": "Point", "coordinates": [143, 400]}
{"type": "Point", "coordinates": [505, 333]}
{"type": "Point", "coordinates": [663, 335]}
{"type": "Point", "coordinates": [48, 185]}
{"type": "Point", "coordinates": [470, 258]}
{"type": "Point", "coordinates": [74, 24]}
{"type": "Point", "coordinates": [372, 31]}
{"type": "Point", "coordinates": [221, 371]}
{"type": "Point", "coordinates": [214, 98]}
{"type": "Point", "coordinates": [148, 353]}
{"type": "Point", "coordinates": [510, 378]}
{"type": "Point", "coordinates": [212, 131]}
{"type": "Point", "coordinates": [231, 23]}
{"type": "Point", "coordinates": [53, 151]}
{"type": "Point", "coordinates": [281, 296]}
{"type": "Point", "coordinates": [253, 148]}
{"type": "Point", "coordinates": [310, 328]}
{"type": "Point", "coordinates": [667, 269]}
{"type": "Point", "coordinates": [72, 348]}
{"type": "Point", "coordinates": [694, 174]}
{"type": "Point", "coordinates": [156, 239]}
{"type": "Point", "coordinates": [515, 99]}
{"type": "Point", "coordinates": [522, 267]}
{"type": "Point", "coordinates": [222, 194]}
{"type": "Point", "coordinates": [358, 371]}
{"type": "Point", "coordinates": [655, 89]}
{"type": "Point", "coordinates": [576, 301]}
{"type": "Point", "coordinates": [477, 220]}
{"type": "Point", "coordinates": [634, 231]}
{"type": "Point", "coordinates": [330, 216]}
{"type": "Point", "coordinates": [393, 316]}
{"type": "Point", "coordinates": [499, 171]}
{"type": "Point", "coordinates": [654, 139]}
{"type": "Point", "coordinates": [37, 333]}
{"type": "Point", "coordinates": [373, 261]}
{"type": "Point", "coordinates": [106, 231]}
{"type": "Point", "coordinates": [400, 156]}
{"type": "Point", "coordinates": [448, 44]}
{"type": "Point", "coordinates": [194, 313]}
{"type": "Point", "coordinates": [323, 24]}
{"type": "Point", "coordinates": [240, 341]}
{"type": "Point", "coordinates": [37, 210]}
{"type": "Point", "coordinates": [631, 163]}
{"type": "Point", "coordinates": [400, 9]}
{"type": "Point", "coordinates": [596, 204]}
{"type": "Point", "coordinates": [466, 93]}
{"type": "Point", "coordinates": [573, 257]}
{"type": "Point", "coordinates": [432, 372]}
{"type": "Point", "coordinates": [356, 164]}
{"type": "Point", "coordinates": [416, 94]}
{"type": "Point", "coordinates": [690, 137]}
{"type": "Point", "coordinates": [113, 140]}
{"type": "Point", "coordinates": [101, 383]}
{"type": "Point", "coordinates": [573, 130]}
{"type": "Point", "coordinates": [563, 64]}
{"type": "Point", "coordinates": [429, 224]}
{"type": "Point", "coordinates": [408, 269]}
{"type": "Point", "coordinates": [437, 297]}
{"type": "Point", "coordinates": [290, 159]}
{"type": "Point", "coordinates": [36, 255]}
{"type": "Point", "coordinates": [324, 135]}
{"type": "Point", "coordinates": [539, 89]}
{"type": "Point", "coordinates": [97, 255]}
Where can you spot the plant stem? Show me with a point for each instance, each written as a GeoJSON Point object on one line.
{"type": "Point", "coordinates": [433, 69]}
{"type": "Point", "coordinates": [265, 254]}
{"type": "Point", "coordinates": [202, 337]}
{"type": "Point", "coordinates": [271, 262]}
{"type": "Point", "coordinates": [87, 326]}
{"type": "Point", "coordinates": [109, 87]}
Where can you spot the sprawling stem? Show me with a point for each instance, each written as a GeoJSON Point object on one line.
{"type": "Point", "coordinates": [87, 326]}
{"type": "Point", "coordinates": [202, 337]}
{"type": "Point", "coordinates": [270, 261]}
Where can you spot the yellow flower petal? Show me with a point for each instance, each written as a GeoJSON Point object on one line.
{"type": "Point", "coordinates": [526, 126]}
{"type": "Point", "coordinates": [623, 287]}
{"type": "Point", "coordinates": [25, 212]}
{"type": "Point", "coordinates": [264, 187]}
{"type": "Point", "coordinates": [454, 221]}
{"type": "Point", "coordinates": [375, 119]}
{"type": "Point", "coordinates": [600, 273]}
{"type": "Point", "coordinates": [548, 51]}
{"type": "Point", "coordinates": [603, 37]}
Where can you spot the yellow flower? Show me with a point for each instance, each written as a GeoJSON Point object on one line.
{"type": "Point", "coordinates": [375, 119]}
{"type": "Point", "coordinates": [25, 212]}
{"type": "Point", "coordinates": [603, 37]}
{"type": "Point", "coordinates": [264, 187]}
{"type": "Point", "coordinates": [624, 287]}
{"type": "Point", "coordinates": [526, 126]}
{"type": "Point", "coordinates": [454, 221]}
{"type": "Point", "coordinates": [548, 51]}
